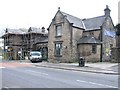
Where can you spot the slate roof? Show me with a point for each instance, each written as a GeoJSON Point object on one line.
{"type": "Point", "coordinates": [86, 24]}
{"type": "Point", "coordinates": [89, 40]}
{"type": "Point", "coordinates": [22, 31]}
{"type": "Point", "coordinates": [42, 41]}
{"type": "Point", "coordinates": [77, 22]}
{"type": "Point", "coordinates": [16, 31]}
{"type": "Point", "coordinates": [38, 30]}
{"type": "Point", "coordinates": [94, 23]}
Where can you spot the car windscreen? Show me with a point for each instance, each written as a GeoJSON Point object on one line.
{"type": "Point", "coordinates": [35, 54]}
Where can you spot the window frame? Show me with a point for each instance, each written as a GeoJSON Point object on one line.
{"type": "Point", "coordinates": [58, 31]}
{"type": "Point", "coordinates": [58, 49]}
{"type": "Point", "coordinates": [94, 48]}
{"type": "Point", "coordinates": [91, 33]}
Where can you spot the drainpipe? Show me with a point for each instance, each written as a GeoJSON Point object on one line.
{"type": "Point", "coordinates": [71, 38]}
{"type": "Point", "coordinates": [101, 39]}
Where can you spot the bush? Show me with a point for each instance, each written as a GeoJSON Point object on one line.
{"type": "Point", "coordinates": [118, 29]}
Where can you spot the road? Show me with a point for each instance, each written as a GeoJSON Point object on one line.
{"type": "Point", "coordinates": [26, 75]}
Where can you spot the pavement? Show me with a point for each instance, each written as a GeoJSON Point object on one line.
{"type": "Point", "coordinates": [99, 67]}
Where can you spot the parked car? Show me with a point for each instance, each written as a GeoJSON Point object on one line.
{"type": "Point", "coordinates": [35, 56]}
{"type": "Point", "coordinates": [0, 57]}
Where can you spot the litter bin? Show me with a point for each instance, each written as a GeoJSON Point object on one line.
{"type": "Point", "coordinates": [81, 61]}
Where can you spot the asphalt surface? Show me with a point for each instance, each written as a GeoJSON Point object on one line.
{"type": "Point", "coordinates": [20, 75]}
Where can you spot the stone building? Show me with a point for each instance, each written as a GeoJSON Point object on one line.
{"type": "Point", "coordinates": [116, 50]}
{"type": "Point", "coordinates": [70, 37]}
{"type": "Point", "coordinates": [38, 41]}
{"type": "Point", "coordinates": [19, 42]}
{"type": "Point", "coordinates": [13, 39]}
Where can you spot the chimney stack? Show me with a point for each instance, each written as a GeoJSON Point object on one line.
{"type": "Point", "coordinates": [43, 29]}
{"type": "Point", "coordinates": [107, 11]}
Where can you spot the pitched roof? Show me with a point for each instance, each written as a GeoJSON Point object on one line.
{"type": "Point", "coordinates": [77, 22]}
{"type": "Point", "coordinates": [38, 30]}
{"type": "Point", "coordinates": [87, 24]}
{"type": "Point", "coordinates": [16, 31]}
{"type": "Point", "coordinates": [22, 31]}
{"type": "Point", "coordinates": [89, 40]}
{"type": "Point", "coordinates": [94, 23]}
{"type": "Point", "coordinates": [42, 41]}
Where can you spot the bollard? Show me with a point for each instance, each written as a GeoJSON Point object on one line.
{"type": "Point", "coordinates": [81, 61]}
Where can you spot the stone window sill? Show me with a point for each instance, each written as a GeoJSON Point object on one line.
{"type": "Point", "coordinates": [58, 55]}
{"type": "Point", "coordinates": [58, 36]}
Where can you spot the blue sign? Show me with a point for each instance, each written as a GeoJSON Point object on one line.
{"type": "Point", "coordinates": [109, 33]}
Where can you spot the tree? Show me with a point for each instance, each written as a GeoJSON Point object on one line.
{"type": "Point", "coordinates": [118, 29]}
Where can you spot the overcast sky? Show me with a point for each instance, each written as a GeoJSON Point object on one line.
{"type": "Point", "coordinates": [38, 13]}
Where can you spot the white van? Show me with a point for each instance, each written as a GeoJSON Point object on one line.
{"type": "Point", "coordinates": [35, 56]}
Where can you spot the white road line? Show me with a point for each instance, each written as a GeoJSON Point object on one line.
{"type": "Point", "coordinates": [37, 72]}
{"type": "Point", "coordinates": [2, 67]}
{"type": "Point", "coordinates": [6, 88]}
{"type": "Point", "coordinates": [96, 84]}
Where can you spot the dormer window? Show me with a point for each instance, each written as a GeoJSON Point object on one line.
{"type": "Point", "coordinates": [59, 30]}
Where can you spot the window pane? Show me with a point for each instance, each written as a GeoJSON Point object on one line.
{"type": "Point", "coordinates": [58, 49]}
{"type": "Point", "coordinates": [94, 47]}
{"type": "Point", "coordinates": [58, 30]}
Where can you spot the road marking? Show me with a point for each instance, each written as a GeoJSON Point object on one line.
{"type": "Point", "coordinates": [37, 72]}
{"type": "Point", "coordinates": [14, 65]}
{"type": "Point", "coordinates": [2, 67]}
{"type": "Point", "coordinates": [96, 84]}
{"type": "Point", "coordinates": [6, 88]}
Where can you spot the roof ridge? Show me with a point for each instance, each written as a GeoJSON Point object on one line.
{"type": "Point", "coordinates": [83, 25]}
{"type": "Point", "coordinates": [93, 17]}
{"type": "Point", "coordinates": [70, 15]}
{"type": "Point", "coordinates": [77, 22]}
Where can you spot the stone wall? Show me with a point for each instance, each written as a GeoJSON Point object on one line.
{"type": "Point", "coordinates": [116, 50]}
{"type": "Point", "coordinates": [95, 33]}
{"type": "Point", "coordinates": [108, 41]}
{"type": "Point", "coordinates": [118, 41]}
{"type": "Point", "coordinates": [85, 50]}
{"type": "Point", "coordinates": [15, 40]}
{"type": "Point", "coordinates": [76, 35]}
{"type": "Point", "coordinates": [115, 55]}
{"type": "Point", "coordinates": [14, 43]}
{"type": "Point", "coordinates": [65, 39]}
{"type": "Point", "coordinates": [69, 40]}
